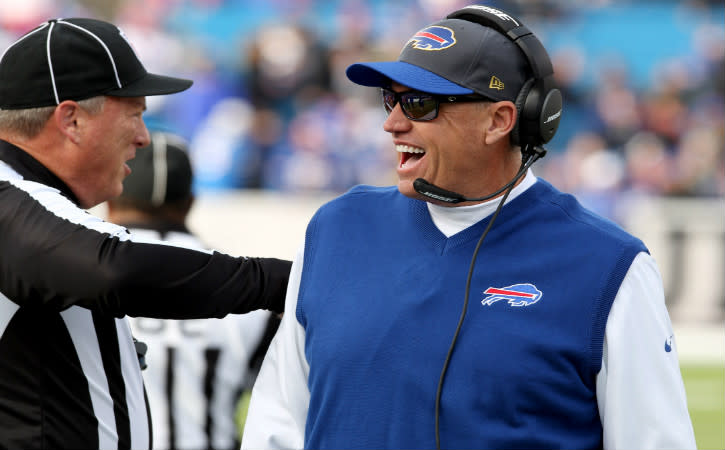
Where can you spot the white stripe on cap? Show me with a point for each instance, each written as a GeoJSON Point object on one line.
{"type": "Point", "coordinates": [108, 52]}
{"type": "Point", "coordinates": [50, 66]}
{"type": "Point", "coordinates": [161, 169]}
{"type": "Point", "coordinates": [50, 63]}
{"type": "Point", "coordinates": [42, 26]}
{"type": "Point", "coordinates": [100, 41]}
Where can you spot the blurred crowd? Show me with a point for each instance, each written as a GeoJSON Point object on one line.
{"type": "Point", "coordinates": [271, 108]}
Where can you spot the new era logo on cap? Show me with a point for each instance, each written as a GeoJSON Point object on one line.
{"type": "Point", "coordinates": [75, 59]}
{"type": "Point", "coordinates": [495, 83]}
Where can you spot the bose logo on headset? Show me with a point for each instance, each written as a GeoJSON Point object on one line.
{"type": "Point", "coordinates": [500, 14]}
{"type": "Point", "coordinates": [553, 116]}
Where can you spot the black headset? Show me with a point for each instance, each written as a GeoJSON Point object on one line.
{"type": "Point", "coordinates": [539, 103]}
{"type": "Point", "coordinates": [539, 111]}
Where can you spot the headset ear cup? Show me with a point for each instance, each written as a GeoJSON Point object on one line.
{"type": "Point", "coordinates": [516, 137]}
{"type": "Point", "coordinates": [551, 109]}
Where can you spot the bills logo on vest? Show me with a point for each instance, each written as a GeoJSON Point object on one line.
{"type": "Point", "coordinates": [524, 294]}
{"type": "Point", "coordinates": [433, 38]}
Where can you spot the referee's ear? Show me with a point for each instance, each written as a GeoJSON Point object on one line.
{"type": "Point", "coordinates": [66, 120]}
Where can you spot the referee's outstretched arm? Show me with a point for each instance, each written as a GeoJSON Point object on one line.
{"type": "Point", "coordinates": [48, 260]}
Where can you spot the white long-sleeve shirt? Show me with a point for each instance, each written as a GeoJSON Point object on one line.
{"type": "Point", "coordinates": [640, 395]}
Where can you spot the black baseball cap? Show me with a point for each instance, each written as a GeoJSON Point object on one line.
{"type": "Point", "coordinates": [76, 59]}
{"type": "Point", "coordinates": [161, 172]}
{"type": "Point", "coordinates": [452, 57]}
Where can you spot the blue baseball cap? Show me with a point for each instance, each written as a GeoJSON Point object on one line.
{"type": "Point", "coordinates": [452, 57]}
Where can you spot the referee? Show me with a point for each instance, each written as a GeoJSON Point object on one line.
{"type": "Point", "coordinates": [197, 369]}
{"type": "Point", "coordinates": [72, 95]}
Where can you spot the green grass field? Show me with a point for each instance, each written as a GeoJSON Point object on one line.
{"type": "Point", "coordinates": [705, 386]}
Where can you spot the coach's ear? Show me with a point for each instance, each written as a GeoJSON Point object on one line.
{"type": "Point", "coordinates": [65, 118]}
{"type": "Point", "coordinates": [503, 118]}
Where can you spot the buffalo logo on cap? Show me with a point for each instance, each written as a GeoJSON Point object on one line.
{"type": "Point", "coordinates": [433, 38]}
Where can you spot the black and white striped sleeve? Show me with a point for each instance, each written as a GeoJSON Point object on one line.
{"type": "Point", "coordinates": [58, 255]}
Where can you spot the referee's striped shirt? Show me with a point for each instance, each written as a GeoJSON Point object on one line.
{"type": "Point", "coordinates": [69, 372]}
{"type": "Point", "coordinates": [198, 369]}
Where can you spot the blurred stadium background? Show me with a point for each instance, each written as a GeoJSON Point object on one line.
{"type": "Point", "coordinates": [275, 128]}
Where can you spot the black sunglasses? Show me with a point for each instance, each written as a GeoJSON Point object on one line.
{"type": "Point", "coordinates": [421, 106]}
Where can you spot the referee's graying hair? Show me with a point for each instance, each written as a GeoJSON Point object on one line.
{"type": "Point", "coordinates": [27, 123]}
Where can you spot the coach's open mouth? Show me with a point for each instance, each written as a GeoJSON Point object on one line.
{"type": "Point", "coordinates": [409, 155]}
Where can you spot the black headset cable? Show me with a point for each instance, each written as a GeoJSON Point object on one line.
{"type": "Point", "coordinates": [532, 156]}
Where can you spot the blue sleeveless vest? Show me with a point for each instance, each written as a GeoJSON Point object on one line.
{"type": "Point", "coordinates": [381, 294]}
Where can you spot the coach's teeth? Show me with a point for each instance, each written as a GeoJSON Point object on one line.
{"type": "Point", "coordinates": [408, 149]}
